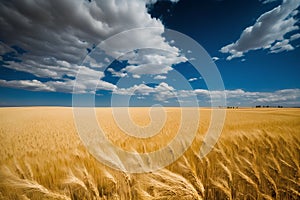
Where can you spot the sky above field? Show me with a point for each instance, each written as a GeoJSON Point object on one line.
{"type": "Point", "coordinates": [44, 44]}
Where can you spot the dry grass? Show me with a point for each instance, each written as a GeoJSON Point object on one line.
{"type": "Point", "coordinates": [257, 157]}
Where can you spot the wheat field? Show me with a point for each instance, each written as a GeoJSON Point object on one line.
{"type": "Point", "coordinates": [256, 157]}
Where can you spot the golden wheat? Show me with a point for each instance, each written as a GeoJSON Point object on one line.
{"type": "Point", "coordinates": [256, 157]}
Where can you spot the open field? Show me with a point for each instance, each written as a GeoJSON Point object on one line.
{"type": "Point", "coordinates": [256, 157]}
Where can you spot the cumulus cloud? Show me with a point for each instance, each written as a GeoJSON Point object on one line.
{"type": "Point", "coordinates": [295, 36]}
{"type": "Point", "coordinates": [281, 46]}
{"type": "Point", "coordinates": [136, 76]}
{"type": "Point", "coordinates": [141, 89]}
{"type": "Point", "coordinates": [161, 92]}
{"type": "Point", "coordinates": [268, 32]}
{"type": "Point", "coordinates": [239, 96]}
{"type": "Point", "coordinates": [164, 92]}
{"type": "Point", "coordinates": [65, 86]}
{"type": "Point", "coordinates": [157, 57]}
{"type": "Point", "coordinates": [285, 95]}
{"type": "Point", "coordinates": [57, 35]}
{"type": "Point", "coordinates": [117, 74]}
{"type": "Point", "coordinates": [160, 77]}
{"type": "Point", "coordinates": [33, 85]}
{"type": "Point", "coordinates": [148, 69]}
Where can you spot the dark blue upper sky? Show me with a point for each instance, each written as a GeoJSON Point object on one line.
{"type": "Point", "coordinates": [254, 44]}
{"type": "Point", "coordinates": [215, 24]}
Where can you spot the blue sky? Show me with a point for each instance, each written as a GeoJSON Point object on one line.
{"type": "Point", "coordinates": [43, 45]}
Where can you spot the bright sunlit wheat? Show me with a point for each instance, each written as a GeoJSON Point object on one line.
{"type": "Point", "coordinates": [257, 157]}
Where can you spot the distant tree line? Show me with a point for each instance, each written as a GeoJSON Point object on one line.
{"type": "Point", "coordinates": [232, 107]}
{"type": "Point", "coordinates": [259, 106]}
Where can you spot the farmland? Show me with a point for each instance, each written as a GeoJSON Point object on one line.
{"type": "Point", "coordinates": [256, 157]}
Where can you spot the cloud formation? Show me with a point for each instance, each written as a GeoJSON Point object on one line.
{"type": "Point", "coordinates": [148, 61]}
{"type": "Point", "coordinates": [163, 92]}
{"type": "Point", "coordinates": [215, 58]}
{"type": "Point", "coordinates": [160, 77]}
{"type": "Point", "coordinates": [49, 39]}
{"type": "Point", "coordinates": [55, 37]}
{"type": "Point", "coordinates": [268, 32]}
{"type": "Point", "coordinates": [192, 79]}
{"type": "Point", "coordinates": [116, 73]}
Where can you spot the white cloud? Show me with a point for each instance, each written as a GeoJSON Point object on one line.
{"type": "Point", "coordinates": [48, 68]}
{"type": "Point", "coordinates": [279, 96]}
{"type": "Point", "coordinates": [141, 89]}
{"type": "Point", "coordinates": [91, 62]}
{"type": "Point", "coordinates": [164, 92]}
{"type": "Point", "coordinates": [192, 79]}
{"type": "Point", "coordinates": [140, 97]}
{"type": "Point", "coordinates": [58, 86]}
{"type": "Point", "coordinates": [136, 76]}
{"type": "Point", "coordinates": [58, 34]}
{"type": "Point", "coordinates": [215, 58]}
{"type": "Point", "coordinates": [33, 85]}
{"type": "Point", "coordinates": [164, 86]}
{"type": "Point", "coordinates": [160, 77]}
{"type": "Point", "coordinates": [240, 96]}
{"type": "Point", "coordinates": [268, 31]}
{"type": "Point", "coordinates": [117, 74]}
{"type": "Point", "coordinates": [106, 60]}
{"type": "Point", "coordinates": [103, 85]}
{"type": "Point", "coordinates": [295, 36]}
{"type": "Point", "coordinates": [161, 92]}
{"type": "Point", "coordinates": [281, 46]}
{"type": "Point", "coordinates": [148, 69]}
{"type": "Point", "coordinates": [152, 61]}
